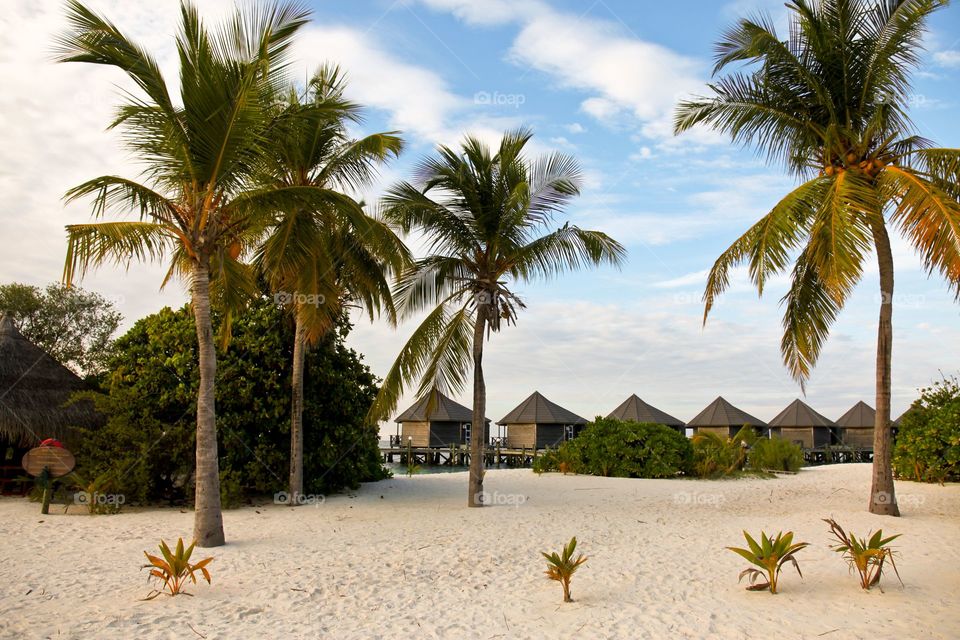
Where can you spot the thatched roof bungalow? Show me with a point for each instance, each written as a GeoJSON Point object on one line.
{"type": "Point", "coordinates": [538, 423]}
{"type": "Point", "coordinates": [856, 425]}
{"type": "Point", "coordinates": [800, 424]}
{"type": "Point", "coordinates": [633, 409]}
{"type": "Point", "coordinates": [436, 421]}
{"type": "Point", "coordinates": [34, 394]}
{"type": "Point", "coordinates": [724, 419]}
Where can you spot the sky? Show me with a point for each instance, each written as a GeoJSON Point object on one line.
{"type": "Point", "coordinates": [595, 79]}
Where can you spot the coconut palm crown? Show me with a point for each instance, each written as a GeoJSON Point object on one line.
{"type": "Point", "coordinates": [485, 217]}
{"type": "Point", "coordinates": [830, 103]}
{"type": "Point", "coordinates": [320, 260]}
{"type": "Point", "coordinates": [196, 203]}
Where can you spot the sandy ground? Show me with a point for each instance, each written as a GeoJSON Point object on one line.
{"type": "Point", "coordinates": [404, 558]}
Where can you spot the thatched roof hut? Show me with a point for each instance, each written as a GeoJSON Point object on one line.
{"type": "Point", "coordinates": [724, 419]}
{"type": "Point", "coordinates": [436, 421]}
{"type": "Point", "coordinates": [34, 390]}
{"type": "Point", "coordinates": [856, 425]}
{"type": "Point", "coordinates": [538, 423]}
{"type": "Point", "coordinates": [799, 423]}
{"type": "Point", "coordinates": [633, 409]}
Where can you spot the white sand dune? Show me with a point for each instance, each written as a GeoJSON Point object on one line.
{"type": "Point", "coordinates": [404, 558]}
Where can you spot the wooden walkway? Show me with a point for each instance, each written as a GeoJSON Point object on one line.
{"type": "Point", "coordinates": [459, 455]}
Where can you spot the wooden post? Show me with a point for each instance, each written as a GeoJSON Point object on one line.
{"type": "Point", "coordinates": [45, 481]}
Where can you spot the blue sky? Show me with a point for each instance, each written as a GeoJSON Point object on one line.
{"type": "Point", "coordinates": [594, 79]}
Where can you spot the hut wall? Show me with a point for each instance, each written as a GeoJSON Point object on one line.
{"type": "Point", "coordinates": [549, 435]}
{"type": "Point", "coordinates": [798, 435]}
{"type": "Point", "coordinates": [521, 436]}
{"type": "Point", "coordinates": [444, 434]}
{"type": "Point", "coordinates": [419, 431]}
{"type": "Point", "coordinates": [858, 438]}
{"type": "Point", "coordinates": [723, 432]}
{"type": "Point", "coordinates": [823, 437]}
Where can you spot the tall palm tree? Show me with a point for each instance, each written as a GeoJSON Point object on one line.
{"type": "Point", "coordinates": [319, 260]}
{"type": "Point", "coordinates": [830, 102]}
{"type": "Point", "coordinates": [195, 203]}
{"type": "Point", "coordinates": [484, 215]}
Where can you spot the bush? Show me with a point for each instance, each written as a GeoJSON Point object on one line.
{"type": "Point", "coordinates": [608, 447]}
{"type": "Point", "coordinates": [715, 456]}
{"type": "Point", "coordinates": [775, 454]}
{"type": "Point", "coordinates": [927, 448]}
{"type": "Point", "coordinates": [149, 398]}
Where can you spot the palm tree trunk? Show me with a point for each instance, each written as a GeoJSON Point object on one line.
{"type": "Point", "coordinates": [477, 431]}
{"type": "Point", "coordinates": [208, 519]}
{"type": "Point", "coordinates": [883, 499]}
{"type": "Point", "coordinates": [296, 414]}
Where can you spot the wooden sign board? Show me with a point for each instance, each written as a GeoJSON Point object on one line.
{"type": "Point", "coordinates": [57, 460]}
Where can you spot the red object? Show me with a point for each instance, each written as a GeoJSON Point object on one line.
{"type": "Point", "coordinates": [50, 442]}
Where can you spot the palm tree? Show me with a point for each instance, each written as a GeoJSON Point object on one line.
{"type": "Point", "coordinates": [830, 103]}
{"type": "Point", "coordinates": [483, 215]}
{"type": "Point", "coordinates": [195, 203]}
{"type": "Point", "coordinates": [319, 260]}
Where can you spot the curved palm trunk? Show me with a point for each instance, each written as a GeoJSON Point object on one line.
{"type": "Point", "coordinates": [296, 413]}
{"type": "Point", "coordinates": [477, 431]}
{"type": "Point", "coordinates": [208, 519]}
{"type": "Point", "coordinates": [883, 499]}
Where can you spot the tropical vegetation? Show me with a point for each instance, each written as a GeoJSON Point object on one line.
{"type": "Point", "coordinates": [561, 566]}
{"type": "Point", "coordinates": [829, 102]}
{"type": "Point", "coordinates": [866, 555]}
{"type": "Point", "coordinates": [613, 448]}
{"type": "Point", "coordinates": [486, 216]}
{"type": "Point", "coordinates": [770, 555]}
{"type": "Point", "coordinates": [149, 396]}
{"type": "Point", "coordinates": [320, 260]}
{"type": "Point", "coordinates": [928, 435]}
{"type": "Point", "coordinates": [173, 568]}
{"type": "Point", "coordinates": [197, 202]}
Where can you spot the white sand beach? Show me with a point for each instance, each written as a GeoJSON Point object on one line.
{"type": "Point", "coordinates": [405, 558]}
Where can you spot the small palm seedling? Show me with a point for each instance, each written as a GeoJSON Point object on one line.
{"type": "Point", "coordinates": [867, 556]}
{"type": "Point", "coordinates": [174, 569]}
{"type": "Point", "coordinates": [770, 555]}
{"type": "Point", "coordinates": [561, 567]}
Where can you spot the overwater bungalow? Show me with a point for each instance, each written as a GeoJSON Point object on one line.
{"type": "Point", "coordinates": [724, 419]}
{"type": "Point", "coordinates": [436, 421]}
{"type": "Point", "coordinates": [634, 409]}
{"type": "Point", "coordinates": [800, 424]}
{"type": "Point", "coordinates": [538, 423]}
{"type": "Point", "coordinates": [856, 425]}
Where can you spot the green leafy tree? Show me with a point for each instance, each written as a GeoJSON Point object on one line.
{"type": "Point", "coordinates": [72, 325]}
{"type": "Point", "coordinates": [149, 396]}
{"type": "Point", "coordinates": [830, 102]}
{"type": "Point", "coordinates": [485, 216]}
{"type": "Point", "coordinates": [195, 204]}
{"type": "Point", "coordinates": [928, 438]}
{"type": "Point", "coordinates": [319, 260]}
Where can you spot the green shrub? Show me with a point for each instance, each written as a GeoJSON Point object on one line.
{"type": "Point", "coordinates": [775, 454]}
{"type": "Point", "coordinates": [928, 440]}
{"type": "Point", "coordinates": [608, 447]}
{"type": "Point", "coordinates": [715, 456]}
{"type": "Point", "coordinates": [149, 400]}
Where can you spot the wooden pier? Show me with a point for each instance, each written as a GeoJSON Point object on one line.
{"type": "Point", "coordinates": [459, 456]}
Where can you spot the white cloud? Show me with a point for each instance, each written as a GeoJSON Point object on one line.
{"type": "Point", "coordinates": [949, 58]}
{"type": "Point", "coordinates": [575, 128]}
